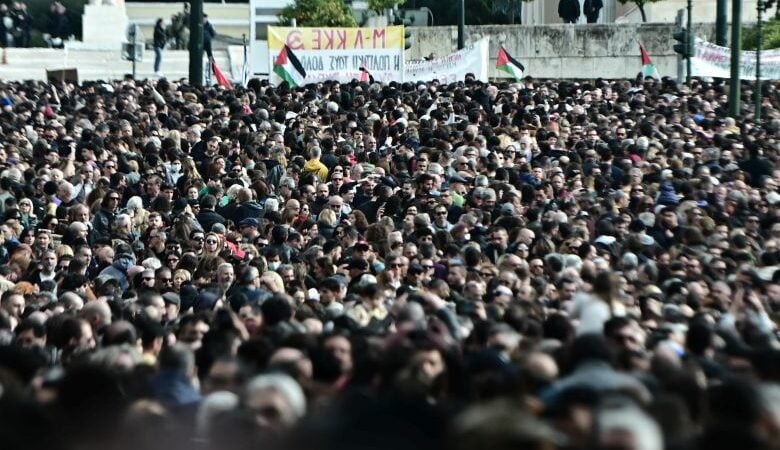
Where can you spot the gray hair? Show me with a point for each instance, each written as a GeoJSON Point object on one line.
{"type": "Point", "coordinates": [135, 203]}
{"type": "Point", "coordinates": [283, 385]}
{"type": "Point", "coordinates": [122, 220]}
{"type": "Point", "coordinates": [212, 406]}
{"type": "Point", "coordinates": [630, 419]}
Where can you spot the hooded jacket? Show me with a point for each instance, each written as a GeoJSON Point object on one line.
{"type": "Point", "coordinates": [317, 167]}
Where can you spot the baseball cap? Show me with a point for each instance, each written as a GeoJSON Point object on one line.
{"type": "Point", "coordinates": [249, 222]}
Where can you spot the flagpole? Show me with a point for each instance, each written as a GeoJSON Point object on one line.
{"type": "Point", "coordinates": [244, 72]}
{"type": "Point", "coordinates": [462, 26]}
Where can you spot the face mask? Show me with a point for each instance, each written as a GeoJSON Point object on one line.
{"type": "Point", "coordinates": [467, 236]}
{"type": "Point", "coordinates": [273, 265]}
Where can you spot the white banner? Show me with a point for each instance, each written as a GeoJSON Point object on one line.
{"type": "Point", "coordinates": [713, 61]}
{"type": "Point", "coordinates": [453, 67]}
{"type": "Point", "coordinates": [339, 53]}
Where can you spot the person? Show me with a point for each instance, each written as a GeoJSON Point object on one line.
{"type": "Point", "coordinates": [22, 24]}
{"type": "Point", "coordinates": [6, 26]}
{"type": "Point", "coordinates": [609, 258]}
{"type": "Point", "coordinates": [592, 9]}
{"type": "Point", "coordinates": [180, 28]}
{"type": "Point", "coordinates": [569, 11]}
{"type": "Point", "coordinates": [209, 33]}
{"type": "Point", "coordinates": [59, 25]}
{"type": "Point", "coordinates": [160, 39]}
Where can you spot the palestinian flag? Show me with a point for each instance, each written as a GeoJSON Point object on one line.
{"type": "Point", "coordinates": [648, 69]}
{"type": "Point", "coordinates": [289, 68]}
{"type": "Point", "coordinates": [509, 65]}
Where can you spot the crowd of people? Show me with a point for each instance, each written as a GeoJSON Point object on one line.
{"type": "Point", "coordinates": [536, 265]}
{"type": "Point", "coordinates": [15, 25]}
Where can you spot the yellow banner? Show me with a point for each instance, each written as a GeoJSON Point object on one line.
{"type": "Point", "coordinates": [336, 38]}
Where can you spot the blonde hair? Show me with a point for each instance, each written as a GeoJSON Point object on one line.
{"type": "Point", "coordinates": [183, 273]}
{"type": "Point", "coordinates": [327, 217]}
{"type": "Point", "coordinates": [63, 251]}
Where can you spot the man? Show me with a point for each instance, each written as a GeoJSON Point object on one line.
{"type": "Point", "coordinates": [592, 8]}
{"type": "Point", "coordinates": [13, 304]}
{"type": "Point", "coordinates": [104, 219]}
{"type": "Point", "coordinates": [498, 243]}
{"type": "Point", "coordinates": [207, 216]}
{"type": "Point", "coordinates": [315, 166]}
{"type": "Point", "coordinates": [247, 206]}
{"type": "Point", "coordinates": [248, 229]}
{"type": "Point", "coordinates": [569, 11]}
{"type": "Point", "coordinates": [440, 222]}
{"type": "Point", "coordinates": [225, 276]}
{"type": "Point", "coordinates": [47, 271]}
{"type": "Point", "coordinates": [209, 33]}
{"type": "Point", "coordinates": [321, 200]}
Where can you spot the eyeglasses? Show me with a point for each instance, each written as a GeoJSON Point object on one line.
{"type": "Point", "coordinates": [335, 206]}
{"type": "Point", "coordinates": [148, 278]}
{"type": "Point", "coordinates": [166, 280]}
{"type": "Point", "coordinates": [428, 266]}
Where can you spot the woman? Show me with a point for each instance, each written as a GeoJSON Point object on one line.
{"type": "Point", "coordinates": [212, 245]}
{"type": "Point", "coordinates": [180, 277]}
{"type": "Point", "coordinates": [159, 45]}
{"type": "Point", "coordinates": [29, 220]}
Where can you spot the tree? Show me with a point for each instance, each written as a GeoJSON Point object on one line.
{"type": "Point", "coordinates": [508, 10]}
{"type": "Point", "coordinates": [771, 35]}
{"type": "Point", "coordinates": [379, 6]}
{"type": "Point", "coordinates": [478, 12]}
{"type": "Point", "coordinates": [641, 5]}
{"type": "Point", "coordinates": [318, 13]}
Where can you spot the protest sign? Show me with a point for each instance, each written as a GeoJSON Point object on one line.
{"type": "Point", "coordinates": [713, 61]}
{"type": "Point", "coordinates": [453, 67]}
{"type": "Point", "coordinates": [339, 53]}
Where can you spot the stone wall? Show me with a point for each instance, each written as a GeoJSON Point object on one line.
{"type": "Point", "coordinates": [566, 51]}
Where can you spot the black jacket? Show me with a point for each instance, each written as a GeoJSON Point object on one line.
{"type": "Point", "coordinates": [569, 9]}
{"type": "Point", "coordinates": [159, 37]}
{"type": "Point", "coordinates": [591, 8]}
{"type": "Point", "coordinates": [207, 218]}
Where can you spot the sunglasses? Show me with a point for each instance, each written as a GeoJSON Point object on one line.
{"type": "Point", "coordinates": [210, 241]}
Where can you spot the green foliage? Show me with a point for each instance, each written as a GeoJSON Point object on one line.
{"type": "Point", "coordinates": [318, 13]}
{"type": "Point", "coordinates": [380, 5]}
{"type": "Point", "coordinates": [478, 12]}
{"type": "Point", "coordinates": [641, 5]}
{"type": "Point", "coordinates": [771, 34]}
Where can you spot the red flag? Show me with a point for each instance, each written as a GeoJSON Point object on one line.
{"type": "Point", "coordinates": [220, 77]}
{"type": "Point", "coordinates": [364, 76]}
{"type": "Point", "coordinates": [645, 56]}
